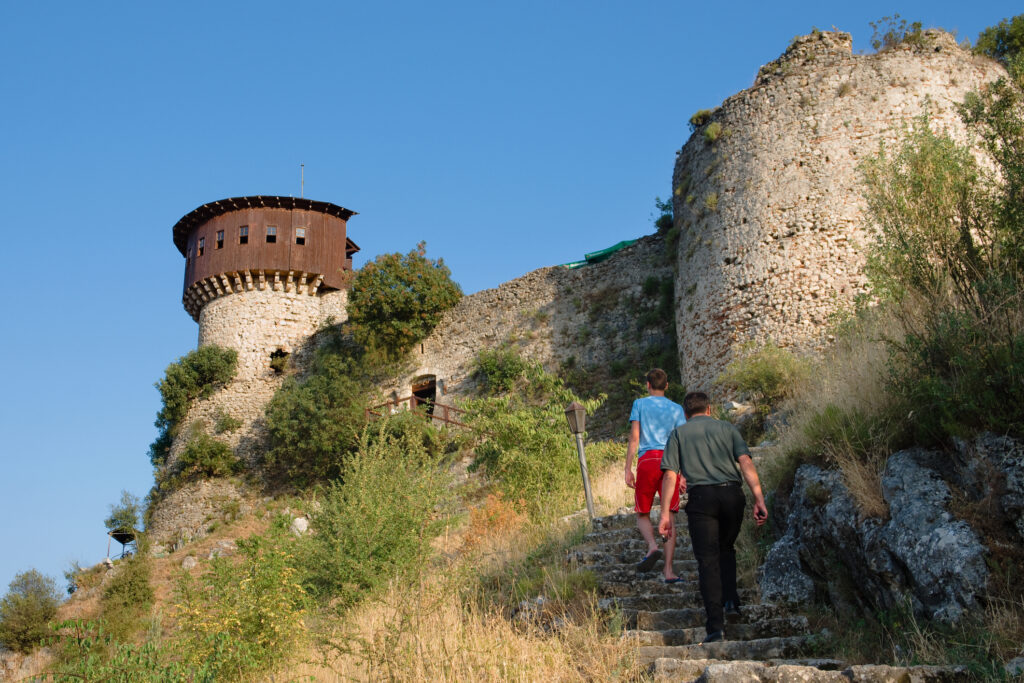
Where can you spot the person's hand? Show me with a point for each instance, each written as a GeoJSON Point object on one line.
{"type": "Point", "coordinates": [665, 527]}
{"type": "Point", "coordinates": [630, 479]}
{"type": "Point", "coordinates": [682, 484]}
{"type": "Point", "coordinates": [760, 513]}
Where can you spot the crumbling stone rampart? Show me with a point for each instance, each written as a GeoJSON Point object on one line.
{"type": "Point", "coordinates": [767, 200]}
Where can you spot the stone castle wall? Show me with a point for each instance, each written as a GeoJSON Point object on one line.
{"type": "Point", "coordinates": [587, 317]}
{"type": "Point", "coordinates": [771, 223]}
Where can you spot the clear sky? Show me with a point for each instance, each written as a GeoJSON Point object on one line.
{"type": "Point", "coordinates": [509, 136]}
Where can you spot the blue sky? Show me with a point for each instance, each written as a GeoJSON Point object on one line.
{"type": "Point", "coordinates": [509, 136]}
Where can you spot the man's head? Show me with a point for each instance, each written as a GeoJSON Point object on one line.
{"type": "Point", "coordinates": [695, 403]}
{"type": "Point", "coordinates": [657, 379]}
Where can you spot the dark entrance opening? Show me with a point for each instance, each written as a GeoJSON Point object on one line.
{"type": "Point", "coordinates": [424, 391]}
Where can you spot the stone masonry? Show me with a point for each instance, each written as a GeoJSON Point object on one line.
{"type": "Point", "coordinates": [769, 213]}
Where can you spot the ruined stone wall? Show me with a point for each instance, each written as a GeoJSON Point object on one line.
{"type": "Point", "coordinates": [584, 317]}
{"type": "Point", "coordinates": [770, 215]}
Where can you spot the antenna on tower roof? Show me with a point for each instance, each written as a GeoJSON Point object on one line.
{"type": "Point", "coordinates": [302, 181]}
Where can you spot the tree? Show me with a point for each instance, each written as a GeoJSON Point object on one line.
{"type": "Point", "coordinates": [125, 515]}
{"type": "Point", "coordinates": [30, 603]}
{"type": "Point", "coordinates": [1004, 42]}
{"type": "Point", "coordinates": [396, 300]}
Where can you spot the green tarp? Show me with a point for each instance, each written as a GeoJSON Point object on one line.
{"type": "Point", "coordinates": [598, 256]}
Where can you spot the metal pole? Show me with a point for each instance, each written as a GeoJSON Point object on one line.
{"type": "Point", "coordinates": [586, 476]}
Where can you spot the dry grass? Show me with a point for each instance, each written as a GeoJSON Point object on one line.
{"type": "Point", "coordinates": [851, 378]}
{"type": "Point", "coordinates": [434, 632]}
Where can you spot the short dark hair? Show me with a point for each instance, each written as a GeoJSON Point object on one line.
{"type": "Point", "coordinates": [658, 379]}
{"type": "Point", "coordinates": [695, 402]}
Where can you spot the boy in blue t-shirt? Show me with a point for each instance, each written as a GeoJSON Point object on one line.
{"type": "Point", "coordinates": [652, 420]}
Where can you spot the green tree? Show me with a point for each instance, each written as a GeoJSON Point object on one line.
{"type": "Point", "coordinates": [125, 515]}
{"type": "Point", "coordinates": [193, 376]}
{"type": "Point", "coordinates": [30, 603]}
{"type": "Point", "coordinates": [1004, 42]}
{"type": "Point", "coordinates": [313, 421]}
{"type": "Point", "coordinates": [396, 300]}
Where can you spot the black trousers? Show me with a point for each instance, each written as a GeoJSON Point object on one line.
{"type": "Point", "coordinates": [713, 516]}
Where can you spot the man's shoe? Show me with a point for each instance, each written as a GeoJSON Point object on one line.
{"type": "Point", "coordinates": [731, 608]}
{"type": "Point", "coordinates": [713, 637]}
{"type": "Point", "coordinates": [651, 559]}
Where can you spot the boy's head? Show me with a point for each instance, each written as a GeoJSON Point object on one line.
{"type": "Point", "coordinates": [695, 403]}
{"type": "Point", "coordinates": [657, 379]}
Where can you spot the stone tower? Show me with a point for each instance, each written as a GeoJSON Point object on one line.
{"type": "Point", "coordinates": [767, 196]}
{"type": "Point", "coordinates": [262, 273]}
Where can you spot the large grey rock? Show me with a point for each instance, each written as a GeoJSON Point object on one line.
{"type": "Point", "coordinates": [921, 555]}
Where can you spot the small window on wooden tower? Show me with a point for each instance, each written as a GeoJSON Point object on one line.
{"type": "Point", "coordinates": [300, 236]}
{"type": "Point", "coordinates": [271, 234]}
{"type": "Point", "coordinates": [220, 239]}
{"type": "Point", "coordinates": [243, 234]}
{"type": "Point", "coordinates": [202, 245]}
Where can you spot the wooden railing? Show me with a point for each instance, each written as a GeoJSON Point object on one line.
{"type": "Point", "coordinates": [436, 412]}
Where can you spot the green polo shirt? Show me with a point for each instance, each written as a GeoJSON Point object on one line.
{"type": "Point", "coordinates": [705, 451]}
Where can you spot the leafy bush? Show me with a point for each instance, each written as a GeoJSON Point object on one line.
{"type": "Point", "coordinates": [525, 445]}
{"type": "Point", "coordinates": [363, 540]}
{"type": "Point", "coordinates": [202, 457]}
{"type": "Point", "coordinates": [713, 131]}
{"type": "Point", "coordinates": [246, 617]}
{"type": "Point", "coordinates": [949, 260]}
{"type": "Point", "coordinates": [313, 421]}
{"type": "Point", "coordinates": [499, 368]}
{"type": "Point", "coordinates": [395, 301]}
{"type": "Point", "coordinates": [701, 117]}
{"type": "Point", "coordinates": [30, 603]}
{"type": "Point", "coordinates": [663, 222]}
{"type": "Point", "coordinates": [711, 201]}
{"type": "Point", "coordinates": [193, 376]}
{"type": "Point", "coordinates": [225, 423]}
{"type": "Point", "coordinates": [1003, 42]}
{"type": "Point", "coordinates": [766, 374]}
{"type": "Point", "coordinates": [127, 597]}
{"type": "Point", "coordinates": [125, 515]}
{"type": "Point", "coordinates": [888, 32]}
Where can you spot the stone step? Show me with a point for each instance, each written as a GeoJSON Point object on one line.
{"type": "Point", "coordinates": [680, 565]}
{"type": "Point", "coordinates": [765, 628]}
{"type": "Point", "coordinates": [665, 669]}
{"type": "Point", "coordinates": [657, 600]}
{"type": "Point", "coordinates": [760, 649]}
{"type": "Point", "coordinates": [803, 670]}
{"type": "Point", "coordinates": [692, 617]}
{"type": "Point", "coordinates": [628, 533]}
{"type": "Point", "coordinates": [617, 573]}
{"type": "Point", "coordinates": [628, 548]}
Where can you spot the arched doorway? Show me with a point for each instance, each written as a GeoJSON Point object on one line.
{"type": "Point", "coordinates": [424, 391]}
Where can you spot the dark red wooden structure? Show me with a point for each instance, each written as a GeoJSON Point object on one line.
{"type": "Point", "coordinates": [248, 242]}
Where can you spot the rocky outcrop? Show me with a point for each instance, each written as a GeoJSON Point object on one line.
{"type": "Point", "coordinates": [922, 555]}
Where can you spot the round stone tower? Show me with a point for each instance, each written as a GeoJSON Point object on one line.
{"type": "Point", "coordinates": [767, 194]}
{"type": "Point", "coordinates": [262, 273]}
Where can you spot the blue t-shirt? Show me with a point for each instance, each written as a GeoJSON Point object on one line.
{"type": "Point", "coordinates": [658, 417]}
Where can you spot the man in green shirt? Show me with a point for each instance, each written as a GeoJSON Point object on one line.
{"type": "Point", "coordinates": [714, 461]}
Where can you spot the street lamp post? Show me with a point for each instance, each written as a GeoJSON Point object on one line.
{"type": "Point", "coordinates": [576, 414]}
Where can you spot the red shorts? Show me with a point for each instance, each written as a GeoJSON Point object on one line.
{"type": "Point", "coordinates": [648, 483]}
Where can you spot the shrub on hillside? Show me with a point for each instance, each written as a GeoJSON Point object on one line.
{"type": "Point", "coordinates": [949, 260]}
{"type": "Point", "coordinates": [127, 597]}
{"type": "Point", "coordinates": [193, 376]}
{"type": "Point", "coordinates": [246, 617]}
{"type": "Point", "coordinates": [765, 374]}
{"type": "Point", "coordinates": [203, 457]}
{"type": "Point", "coordinates": [379, 519]}
{"type": "Point", "coordinates": [524, 444]}
{"type": "Point", "coordinates": [500, 368]}
{"type": "Point", "coordinates": [396, 300]}
{"type": "Point", "coordinates": [30, 603]}
{"type": "Point", "coordinates": [1004, 42]}
{"type": "Point", "coordinates": [313, 421]}
{"type": "Point", "coordinates": [699, 118]}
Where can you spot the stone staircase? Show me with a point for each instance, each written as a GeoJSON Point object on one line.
{"type": "Point", "coordinates": [666, 621]}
